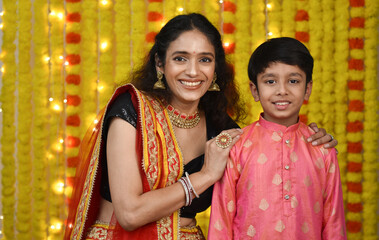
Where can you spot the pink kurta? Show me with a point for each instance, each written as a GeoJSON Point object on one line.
{"type": "Point", "coordinates": [278, 186]}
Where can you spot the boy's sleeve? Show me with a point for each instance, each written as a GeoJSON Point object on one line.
{"type": "Point", "coordinates": [333, 226]}
{"type": "Point", "coordinates": [223, 206]}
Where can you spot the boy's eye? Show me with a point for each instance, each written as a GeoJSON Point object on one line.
{"type": "Point", "coordinates": [270, 81]}
{"type": "Point", "coordinates": [294, 81]}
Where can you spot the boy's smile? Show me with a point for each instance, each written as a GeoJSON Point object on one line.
{"type": "Point", "coordinates": [281, 90]}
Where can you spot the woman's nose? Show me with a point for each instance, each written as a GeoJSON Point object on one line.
{"type": "Point", "coordinates": [192, 69]}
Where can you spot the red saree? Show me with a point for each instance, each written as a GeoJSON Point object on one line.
{"type": "Point", "coordinates": [161, 165]}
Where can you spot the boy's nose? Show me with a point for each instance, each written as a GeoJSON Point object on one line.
{"type": "Point", "coordinates": [282, 89]}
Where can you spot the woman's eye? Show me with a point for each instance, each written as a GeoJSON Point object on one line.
{"type": "Point", "coordinates": [180, 59]}
{"type": "Point", "coordinates": [205, 60]}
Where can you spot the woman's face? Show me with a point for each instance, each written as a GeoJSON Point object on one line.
{"type": "Point", "coordinates": [189, 68]}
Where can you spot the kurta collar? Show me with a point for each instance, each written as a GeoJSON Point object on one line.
{"type": "Point", "coordinates": [277, 127]}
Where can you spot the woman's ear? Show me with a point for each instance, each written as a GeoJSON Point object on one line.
{"type": "Point", "coordinates": [254, 91]}
{"type": "Point", "coordinates": [158, 63]}
{"type": "Point", "coordinates": [308, 90]}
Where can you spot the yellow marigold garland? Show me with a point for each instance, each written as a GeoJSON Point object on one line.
{"type": "Point", "coordinates": [106, 82]}
{"type": "Point", "coordinates": [169, 9]}
{"type": "Point", "coordinates": [288, 18]}
{"type": "Point", "coordinates": [315, 44]}
{"type": "Point", "coordinates": [8, 137]}
{"type": "Point", "coordinates": [154, 21]}
{"type": "Point", "coordinates": [212, 10]}
{"type": "Point", "coordinates": [243, 56]}
{"type": "Point", "coordinates": [194, 6]}
{"type": "Point", "coordinates": [355, 120]}
{"type": "Point", "coordinates": [228, 28]}
{"type": "Point", "coordinates": [301, 33]}
{"type": "Point", "coordinates": [72, 68]}
{"type": "Point", "coordinates": [327, 50]}
{"type": "Point", "coordinates": [370, 129]}
{"type": "Point", "coordinates": [40, 120]}
{"type": "Point", "coordinates": [274, 21]}
{"type": "Point", "coordinates": [341, 55]}
{"type": "Point", "coordinates": [55, 155]}
{"type": "Point", "coordinates": [258, 36]}
{"type": "Point", "coordinates": [122, 38]}
{"type": "Point", "coordinates": [138, 32]}
{"type": "Point", "coordinates": [89, 64]}
{"type": "Point", "coordinates": [24, 160]}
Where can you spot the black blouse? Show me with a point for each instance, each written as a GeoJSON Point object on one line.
{"type": "Point", "coordinates": [123, 108]}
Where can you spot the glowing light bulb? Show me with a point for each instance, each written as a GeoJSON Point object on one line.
{"type": "Point", "coordinates": [61, 57]}
{"type": "Point", "coordinates": [51, 99]}
{"type": "Point", "coordinates": [66, 63]}
{"type": "Point", "coordinates": [56, 107]}
{"type": "Point", "coordinates": [269, 6]}
{"type": "Point", "coordinates": [95, 121]}
{"type": "Point", "coordinates": [221, 1]}
{"type": "Point", "coordinates": [60, 16]}
{"type": "Point", "coordinates": [104, 45]}
{"type": "Point", "coordinates": [47, 59]}
{"type": "Point", "coordinates": [2, 13]}
{"type": "Point", "coordinates": [1, 26]}
{"type": "Point", "coordinates": [104, 2]}
{"type": "Point", "coordinates": [226, 44]}
{"type": "Point", "coordinates": [1, 217]}
{"type": "Point", "coordinates": [58, 189]}
{"type": "Point", "coordinates": [65, 100]}
{"type": "Point", "coordinates": [1, 110]}
{"type": "Point", "coordinates": [52, 13]}
{"type": "Point", "coordinates": [180, 9]}
{"type": "Point", "coordinates": [270, 33]}
{"type": "Point", "coordinates": [100, 88]}
{"type": "Point", "coordinates": [61, 140]}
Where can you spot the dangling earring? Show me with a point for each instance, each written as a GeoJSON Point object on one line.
{"type": "Point", "coordinates": [214, 86]}
{"type": "Point", "coordinates": [159, 84]}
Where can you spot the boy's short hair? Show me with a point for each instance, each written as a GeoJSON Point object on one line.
{"type": "Point", "coordinates": [282, 50]}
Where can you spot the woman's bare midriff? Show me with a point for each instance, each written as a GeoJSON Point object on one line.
{"type": "Point", "coordinates": [106, 211]}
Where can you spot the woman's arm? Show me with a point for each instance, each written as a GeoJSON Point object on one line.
{"type": "Point", "coordinates": [321, 137]}
{"type": "Point", "coordinates": [132, 207]}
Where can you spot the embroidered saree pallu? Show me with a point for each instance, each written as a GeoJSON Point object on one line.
{"type": "Point", "coordinates": [161, 165]}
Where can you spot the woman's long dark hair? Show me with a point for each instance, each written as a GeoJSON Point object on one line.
{"type": "Point", "coordinates": [213, 103]}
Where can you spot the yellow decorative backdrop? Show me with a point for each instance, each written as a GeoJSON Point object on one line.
{"type": "Point", "coordinates": [62, 59]}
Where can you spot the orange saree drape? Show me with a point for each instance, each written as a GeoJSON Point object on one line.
{"type": "Point", "coordinates": [161, 165]}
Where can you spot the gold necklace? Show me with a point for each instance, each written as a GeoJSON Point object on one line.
{"type": "Point", "coordinates": [181, 120]}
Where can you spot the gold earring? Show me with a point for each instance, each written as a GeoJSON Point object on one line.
{"type": "Point", "coordinates": [214, 86]}
{"type": "Point", "coordinates": [159, 84]}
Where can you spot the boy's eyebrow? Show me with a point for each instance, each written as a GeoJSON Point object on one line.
{"type": "Point", "coordinates": [185, 52]}
{"type": "Point", "coordinates": [273, 75]}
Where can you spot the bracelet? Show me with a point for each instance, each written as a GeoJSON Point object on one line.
{"type": "Point", "coordinates": [186, 191]}
{"type": "Point", "coordinates": [190, 185]}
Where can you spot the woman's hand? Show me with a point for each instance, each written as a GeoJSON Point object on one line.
{"type": "Point", "coordinates": [321, 137]}
{"type": "Point", "coordinates": [217, 152]}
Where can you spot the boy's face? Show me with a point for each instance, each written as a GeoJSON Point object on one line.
{"type": "Point", "coordinates": [282, 90]}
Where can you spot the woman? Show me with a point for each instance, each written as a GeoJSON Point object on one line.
{"type": "Point", "coordinates": [153, 166]}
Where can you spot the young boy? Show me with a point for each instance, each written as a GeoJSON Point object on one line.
{"type": "Point", "coordinates": [276, 184]}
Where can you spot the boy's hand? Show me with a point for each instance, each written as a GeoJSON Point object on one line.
{"type": "Point", "coordinates": [321, 137]}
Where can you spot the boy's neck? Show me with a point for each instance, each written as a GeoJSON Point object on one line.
{"type": "Point", "coordinates": [284, 122]}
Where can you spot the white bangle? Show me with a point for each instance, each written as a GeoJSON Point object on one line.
{"type": "Point", "coordinates": [186, 191]}
{"type": "Point", "coordinates": [190, 184]}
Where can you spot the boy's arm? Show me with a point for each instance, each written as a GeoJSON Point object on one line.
{"type": "Point", "coordinates": [333, 226]}
{"type": "Point", "coordinates": [224, 203]}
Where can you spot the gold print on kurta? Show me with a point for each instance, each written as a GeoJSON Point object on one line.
{"type": "Point", "coordinates": [218, 225]}
{"type": "Point", "coordinates": [277, 179]}
{"type": "Point", "coordinates": [293, 157]}
{"type": "Point", "coordinates": [294, 202]}
{"type": "Point", "coordinates": [305, 227]}
{"type": "Point", "coordinates": [251, 231]}
{"type": "Point", "coordinates": [230, 206]}
{"type": "Point", "coordinates": [307, 181]}
{"type": "Point", "coordinates": [262, 159]}
{"type": "Point", "coordinates": [264, 205]}
{"type": "Point", "coordinates": [320, 163]}
{"type": "Point", "coordinates": [317, 207]}
{"type": "Point", "coordinates": [279, 227]}
{"type": "Point", "coordinates": [247, 144]}
{"type": "Point", "coordinates": [332, 168]}
{"type": "Point", "coordinates": [287, 186]}
{"type": "Point", "coordinates": [276, 137]}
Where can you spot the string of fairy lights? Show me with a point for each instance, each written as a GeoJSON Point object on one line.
{"type": "Point", "coordinates": [83, 70]}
